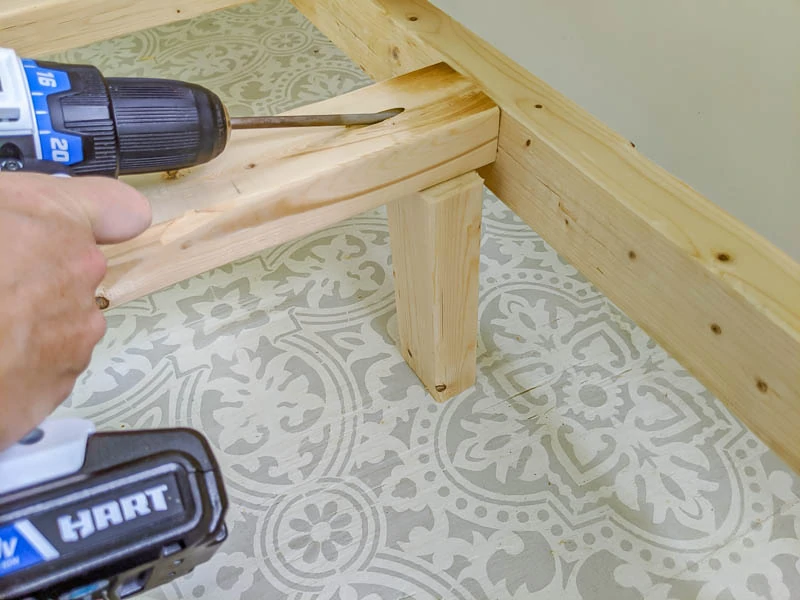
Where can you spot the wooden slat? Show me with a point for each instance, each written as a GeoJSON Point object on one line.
{"type": "Point", "coordinates": [436, 252]}
{"type": "Point", "coordinates": [35, 28]}
{"type": "Point", "coordinates": [720, 298]}
{"type": "Point", "coordinates": [273, 186]}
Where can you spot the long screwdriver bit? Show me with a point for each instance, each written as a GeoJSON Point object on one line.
{"type": "Point", "coordinates": [333, 120]}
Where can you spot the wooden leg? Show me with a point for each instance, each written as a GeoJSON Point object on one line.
{"type": "Point", "coordinates": [435, 238]}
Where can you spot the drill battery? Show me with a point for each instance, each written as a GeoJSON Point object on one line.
{"type": "Point", "coordinates": [87, 515]}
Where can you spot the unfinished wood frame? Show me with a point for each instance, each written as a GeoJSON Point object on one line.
{"type": "Point", "coordinates": [720, 298]}
{"type": "Point", "coordinates": [717, 296]}
{"type": "Point", "coordinates": [273, 186]}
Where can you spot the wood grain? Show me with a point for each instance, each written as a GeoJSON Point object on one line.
{"type": "Point", "coordinates": [43, 27]}
{"type": "Point", "coordinates": [719, 297]}
{"type": "Point", "coordinates": [273, 186]}
{"type": "Point", "coordinates": [435, 237]}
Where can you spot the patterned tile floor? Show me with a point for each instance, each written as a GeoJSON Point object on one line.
{"type": "Point", "coordinates": [585, 464]}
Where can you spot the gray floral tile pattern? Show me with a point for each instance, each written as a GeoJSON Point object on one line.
{"type": "Point", "coordinates": [585, 463]}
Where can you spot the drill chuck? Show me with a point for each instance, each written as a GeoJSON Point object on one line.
{"type": "Point", "coordinates": [71, 119]}
{"type": "Point", "coordinates": [164, 125]}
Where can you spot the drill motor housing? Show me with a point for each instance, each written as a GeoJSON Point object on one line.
{"type": "Point", "coordinates": [71, 120]}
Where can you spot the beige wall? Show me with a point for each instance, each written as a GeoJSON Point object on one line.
{"type": "Point", "coordinates": [708, 89]}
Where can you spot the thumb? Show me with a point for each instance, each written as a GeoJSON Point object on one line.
{"type": "Point", "coordinates": [117, 212]}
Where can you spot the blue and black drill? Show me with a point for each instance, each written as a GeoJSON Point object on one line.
{"type": "Point", "coordinates": [71, 120]}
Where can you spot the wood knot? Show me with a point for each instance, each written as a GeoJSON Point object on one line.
{"type": "Point", "coordinates": [632, 255]}
{"type": "Point", "coordinates": [251, 166]}
{"type": "Point", "coordinates": [538, 106]}
{"type": "Point", "coordinates": [395, 53]}
{"type": "Point", "coordinates": [441, 387]}
{"type": "Point", "coordinates": [102, 302]}
{"type": "Point", "coordinates": [723, 257]}
{"type": "Point", "coordinates": [413, 18]}
{"type": "Point", "coordinates": [716, 329]}
{"type": "Point", "coordinates": [762, 386]}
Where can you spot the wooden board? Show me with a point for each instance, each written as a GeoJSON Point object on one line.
{"type": "Point", "coordinates": [436, 252]}
{"type": "Point", "coordinates": [48, 26]}
{"type": "Point", "coordinates": [720, 298]}
{"type": "Point", "coordinates": [273, 186]}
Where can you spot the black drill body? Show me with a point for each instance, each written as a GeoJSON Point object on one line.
{"type": "Point", "coordinates": [71, 120]}
{"type": "Point", "coordinates": [135, 125]}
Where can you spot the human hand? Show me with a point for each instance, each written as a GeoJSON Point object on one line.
{"type": "Point", "coordinates": [50, 268]}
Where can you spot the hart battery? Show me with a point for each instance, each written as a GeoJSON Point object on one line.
{"type": "Point", "coordinates": [87, 515]}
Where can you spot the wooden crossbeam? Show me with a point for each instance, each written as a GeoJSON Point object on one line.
{"type": "Point", "coordinates": [37, 28]}
{"type": "Point", "coordinates": [720, 298]}
{"type": "Point", "coordinates": [273, 186]}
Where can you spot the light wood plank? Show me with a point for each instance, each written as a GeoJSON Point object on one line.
{"type": "Point", "coordinates": [273, 186]}
{"type": "Point", "coordinates": [720, 298]}
{"type": "Point", "coordinates": [435, 237]}
{"type": "Point", "coordinates": [46, 26]}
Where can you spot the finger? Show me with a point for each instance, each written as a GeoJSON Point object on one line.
{"type": "Point", "coordinates": [89, 269]}
{"type": "Point", "coordinates": [117, 212]}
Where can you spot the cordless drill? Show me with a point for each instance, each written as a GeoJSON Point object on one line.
{"type": "Point", "coordinates": [86, 514]}
{"type": "Point", "coordinates": [71, 120]}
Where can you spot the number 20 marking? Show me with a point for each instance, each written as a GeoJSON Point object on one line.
{"type": "Point", "coordinates": [60, 149]}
